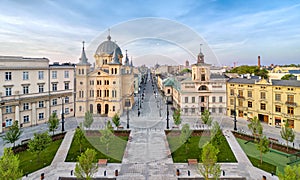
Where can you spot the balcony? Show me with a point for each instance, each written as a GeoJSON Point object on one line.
{"type": "Point", "coordinates": [291, 103]}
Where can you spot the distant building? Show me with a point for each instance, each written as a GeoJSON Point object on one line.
{"type": "Point", "coordinates": [31, 90]}
{"type": "Point", "coordinates": [105, 89]}
{"type": "Point", "coordinates": [273, 102]}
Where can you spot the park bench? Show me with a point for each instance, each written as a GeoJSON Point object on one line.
{"type": "Point", "coordinates": [192, 161]}
{"type": "Point", "coordinates": [102, 162]}
{"type": "Point", "coordinates": [281, 153]}
{"type": "Point", "coordinates": [24, 141]}
{"type": "Point", "coordinates": [273, 139]}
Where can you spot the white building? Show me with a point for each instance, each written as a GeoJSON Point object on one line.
{"type": "Point", "coordinates": [31, 90]}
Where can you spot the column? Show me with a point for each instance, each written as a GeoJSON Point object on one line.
{"type": "Point", "coordinates": [47, 110]}
{"type": "Point", "coordinates": [17, 114]}
{"type": "Point", "coordinates": [33, 114]}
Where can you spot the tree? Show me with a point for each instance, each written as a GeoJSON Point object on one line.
{"type": "Point", "coordinates": [177, 117]}
{"type": "Point", "coordinates": [206, 119]}
{"type": "Point", "coordinates": [185, 135]}
{"type": "Point", "coordinates": [263, 73]}
{"type": "Point", "coordinates": [79, 137]}
{"type": "Point", "coordinates": [88, 119]}
{"type": "Point", "coordinates": [116, 120]}
{"type": "Point", "coordinates": [186, 70]}
{"type": "Point", "coordinates": [216, 134]}
{"type": "Point", "coordinates": [106, 137]}
{"type": "Point", "coordinates": [53, 122]}
{"type": "Point", "coordinates": [109, 126]}
{"type": "Point", "coordinates": [209, 159]}
{"type": "Point", "coordinates": [263, 146]}
{"type": "Point", "coordinates": [290, 173]}
{"type": "Point", "coordinates": [255, 127]}
{"type": "Point", "coordinates": [39, 143]}
{"type": "Point", "coordinates": [85, 167]}
{"type": "Point", "coordinates": [9, 165]}
{"type": "Point", "coordinates": [288, 77]}
{"type": "Point", "coordinates": [13, 134]}
{"type": "Point", "coordinates": [287, 134]}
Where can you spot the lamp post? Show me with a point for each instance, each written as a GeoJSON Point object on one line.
{"type": "Point", "coordinates": [234, 114]}
{"type": "Point", "coordinates": [168, 112]}
{"type": "Point", "coordinates": [62, 115]}
{"type": "Point", "coordinates": [127, 105]}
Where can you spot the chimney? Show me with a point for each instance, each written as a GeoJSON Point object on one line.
{"type": "Point", "coordinates": [258, 62]}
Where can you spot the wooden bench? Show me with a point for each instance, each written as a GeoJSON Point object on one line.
{"type": "Point", "coordinates": [192, 161]}
{"type": "Point", "coordinates": [102, 162]}
{"type": "Point", "coordinates": [25, 141]}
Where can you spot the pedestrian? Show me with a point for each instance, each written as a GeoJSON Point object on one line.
{"type": "Point", "coordinates": [223, 173]}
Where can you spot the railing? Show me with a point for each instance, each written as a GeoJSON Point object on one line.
{"type": "Point", "coordinates": [290, 103]}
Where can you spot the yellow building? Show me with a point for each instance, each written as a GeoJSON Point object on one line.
{"type": "Point", "coordinates": [273, 102]}
{"type": "Point", "coordinates": [104, 89]}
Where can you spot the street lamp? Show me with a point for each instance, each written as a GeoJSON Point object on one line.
{"type": "Point", "coordinates": [168, 102]}
{"type": "Point", "coordinates": [234, 114]}
{"type": "Point", "coordinates": [127, 104]}
{"type": "Point", "coordinates": [62, 115]}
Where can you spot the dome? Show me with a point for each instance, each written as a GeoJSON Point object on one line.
{"type": "Point", "coordinates": [107, 47]}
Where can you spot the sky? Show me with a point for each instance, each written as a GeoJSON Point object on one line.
{"type": "Point", "coordinates": [164, 32]}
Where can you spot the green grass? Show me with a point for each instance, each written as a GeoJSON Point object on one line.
{"type": "Point", "coordinates": [114, 155]}
{"type": "Point", "coordinates": [272, 158]}
{"type": "Point", "coordinates": [264, 166]}
{"type": "Point", "coordinates": [194, 150]}
{"type": "Point", "coordinates": [29, 161]}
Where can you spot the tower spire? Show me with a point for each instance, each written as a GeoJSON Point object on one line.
{"type": "Point", "coordinates": [200, 59]}
{"type": "Point", "coordinates": [83, 59]}
{"type": "Point", "coordinates": [126, 59]}
{"type": "Point", "coordinates": [109, 37]}
{"type": "Point", "coordinates": [200, 48]}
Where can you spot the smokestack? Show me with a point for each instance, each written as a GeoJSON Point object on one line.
{"type": "Point", "coordinates": [258, 62]}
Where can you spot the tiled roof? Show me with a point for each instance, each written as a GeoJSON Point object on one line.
{"type": "Point", "coordinates": [242, 81]}
{"type": "Point", "coordinates": [293, 83]}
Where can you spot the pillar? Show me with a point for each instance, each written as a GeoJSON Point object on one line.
{"type": "Point", "coordinates": [17, 114]}
{"type": "Point", "coordinates": [33, 114]}
{"type": "Point", "coordinates": [47, 110]}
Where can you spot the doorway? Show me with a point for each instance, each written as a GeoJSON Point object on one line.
{"type": "Point", "coordinates": [106, 108]}
{"type": "Point", "coordinates": [99, 108]}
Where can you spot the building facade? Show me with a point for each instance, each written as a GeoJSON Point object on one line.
{"type": "Point", "coordinates": [273, 102]}
{"type": "Point", "coordinates": [31, 90]}
{"type": "Point", "coordinates": [107, 88]}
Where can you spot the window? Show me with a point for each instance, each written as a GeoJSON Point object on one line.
{"type": "Point", "coordinates": [193, 110]}
{"type": "Point", "coordinates": [25, 89]}
{"type": "Point", "coordinates": [277, 97]}
{"type": "Point", "coordinates": [25, 106]}
{"type": "Point", "coordinates": [91, 82]}
{"type": "Point", "coordinates": [249, 104]}
{"type": "Point", "coordinates": [186, 99]}
{"type": "Point", "coordinates": [8, 91]}
{"type": "Point", "coordinates": [41, 88]}
{"type": "Point", "coordinates": [66, 74]}
{"type": "Point", "coordinates": [80, 108]}
{"type": "Point", "coordinates": [290, 98]}
{"type": "Point", "coordinates": [231, 102]}
{"type": "Point", "coordinates": [25, 75]}
{"type": "Point", "coordinates": [262, 106]}
{"type": "Point", "coordinates": [202, 88]}
{"type": "Point", "coordinates": [277, 108]}
{"type": "Point", "coordinates": [240, 93]}
{"type": "Point", "coordinates": [41, 75]}
{"type": "Point", "coordinates": [54, 74]}
{"type": "Point", "coordinates": [262, 95]}
{"type": "Point", "coordinates": [41, 104]}
{"type": "Point", "coordinates": [202, 77]}
{"type": "Point", "coordinates": [98, 93]}
{"type": "Point", "coordinates": [54, 112]}
{"type": "Point", "coordinates": [26, 119]}
{"type": "Point", "coordinates": [7, 76]}
{"type": "Point", "coordinates": [213, 99]}
{"type": "Point", "coordinates": [231, 92]}
{"type": "Point", "coordinates": [67, 110]}
{"type": "Point", "coordinates": [240, 102]}
{"type": "Point", "coordinates": [54, 87]}
{"type": "Point", "coordinates": [41, 116]}
{"type": "Point", "coordinates": [8, 109]}
{"type": "Point", "coordinates": [193, 99]}
{"type": "Point", "coordinates": [54, 102]}
{"type": "Point", "coordinates": [67, 99]}
{"type": "Point", "coordinates": [66, 85]}
{"type": "Point", "coordinates": [186, 110]}
{"type": "Point", "coordinates": [250, 94]}
{"type": "Point", "coordinates": [114, 108]}
{"type": "Point", "coordinates": [91, 93]}
{"type": "Point", "coordinates": [220, 110]}
{"type": "Point", "coordinates": [8, 122]}
{"type": "Point", "coordinates": [213, 110]}
{"type": "Point", "coordinates": [169, 91]}
{"type": "Point", "coordinates": [202, 99]}
{"type": "Point", "coordinates": [220, 99]}
{"type": "Point", "coordinates": [290, 110]}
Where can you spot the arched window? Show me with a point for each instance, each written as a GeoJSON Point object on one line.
{"type": "Point", "coordinates": [116, 72]}
{"type": "Point", "coordinates": [203, 88]}
{"type": "Point", "coordinates": [80, 108]}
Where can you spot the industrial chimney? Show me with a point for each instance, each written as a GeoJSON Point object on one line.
{"type": "Point", "coordinates": [258, 62]}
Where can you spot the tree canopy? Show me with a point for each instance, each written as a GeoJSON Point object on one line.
{"type": "Point", "coordinates": [177, 117]}
{"type": "Point", "coordinates": [85, 167]}
{"type": "Point", "coordinates": [9, 165]}
{"type": "Point", "coordinates": [245, 69]}
{"type": "Point", "coordinates": [290, 173]}
{"type": "Point", "coordinates": [287, 134]}
{"type": "Point", "coordinates": [39, 143]}
{"type": "Point", "coordinates": [206, 119]}
{"type": "Point", "coordinates": [288, 77]}
{"type": "Point", "coordinates": [79, 137]}
{"type": "Point", "coordinates": [53, 122]}
{"type": "Point", "coordinates": [255, 128]}
{"type": "Point", "coordinates": [13, 134]}
{"type": "Point", "coordinates": [116, 120]}
{"type": "Point", "coordinates": [88, 119]}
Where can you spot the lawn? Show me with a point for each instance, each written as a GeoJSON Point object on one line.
{"type": "Point", "coordinates": [274, 159]}
{"type": "Point", "coordinates": [29, 161]}
{"type": "Point", "coordinates": [115, 151]}
{"type": "Point", "coordinates": [181, 154]}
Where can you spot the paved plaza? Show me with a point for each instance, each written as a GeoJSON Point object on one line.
{"type": "Point", "coordinates": [147, 154]}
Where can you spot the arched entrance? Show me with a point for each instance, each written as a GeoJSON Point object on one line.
{"type": "Point", "coordinates": [106, 108]}
{"type": "Point", "coordinates": [91, 108]}
{"type": "Point", "coordinates": [99, 108]}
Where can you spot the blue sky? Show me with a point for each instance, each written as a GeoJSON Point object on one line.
{"type": "Point", "coordinates": [236, 30]}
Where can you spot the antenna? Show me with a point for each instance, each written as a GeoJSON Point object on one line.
{"type": "Point", "coordinates": [200, 47]}
{"type": "Point", "coordinates": [83, 44]}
